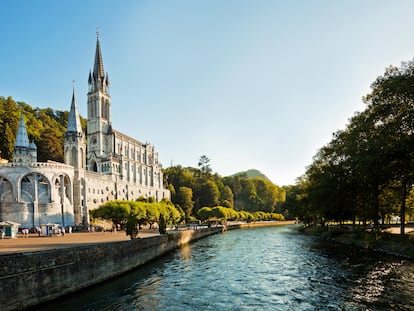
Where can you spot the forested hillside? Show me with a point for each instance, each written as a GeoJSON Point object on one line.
{"type": "Point", "coordinates": [46, 127]}
{"type": "Point", "coordinates": [194, 188]}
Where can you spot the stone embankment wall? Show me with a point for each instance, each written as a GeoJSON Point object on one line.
{"type": "Point", "coordinates": [27, 279]}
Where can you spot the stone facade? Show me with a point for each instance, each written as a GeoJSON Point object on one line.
{"type": "Point", "coordinates": [113, 166]}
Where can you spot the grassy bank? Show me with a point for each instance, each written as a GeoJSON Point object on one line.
{"type": "Point", "coordinates": [394, 244]}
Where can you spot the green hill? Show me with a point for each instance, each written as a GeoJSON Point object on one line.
{"type": "Point", "coordinates": [252, 173]}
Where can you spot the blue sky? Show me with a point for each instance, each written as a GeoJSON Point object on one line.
{"type": "Point", "coordinates": [251, 84]}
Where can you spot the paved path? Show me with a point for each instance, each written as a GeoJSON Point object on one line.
{"type": "Point", "coordinates": [36, 243]}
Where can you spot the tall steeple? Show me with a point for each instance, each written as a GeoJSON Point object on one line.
{"type": "Point", "coordinates": [74, 125]}
{"type": "Point", "coordinates": [98, 68]}
{"type": "Point", "coordinates": [24, 151]}
{"type": "Point", "coordinates": [98, 80]}
{"type": "Point", "coordinates": [22, 139]}
{"type": "Point", "coordinates": [74, 146]}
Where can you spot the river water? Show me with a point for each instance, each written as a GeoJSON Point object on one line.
{"type": "Point", "coordinates": [271, 268]}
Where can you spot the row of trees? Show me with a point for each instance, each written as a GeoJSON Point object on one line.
{"type": "Point", "coordinates": [220, 212]}
{"type": "Point", "coordinates": [194, 188]}
{"type": "Point", "coordinates": [366, 171]}
{"type": "Point", "coordinates": [131, 215]}
{"type": "Point", "coordinates": [46, 127]}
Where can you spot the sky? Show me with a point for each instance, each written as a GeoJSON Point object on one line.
{"type": "Point", "coordinates": [257, 84]}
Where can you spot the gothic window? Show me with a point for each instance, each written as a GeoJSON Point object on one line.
{"type": "Point", "coordinates": [103, 108]}
{"type": "Point", "coordinates": [92, 107]}
{"type": "Point", "coordinates": [107, 109]}
{"type": "Point", "coordinates": [81, 158]}
{"type": "Point", "coordinates": [73, 157]}
{"type": "Point", "coordinates": [94, 167]}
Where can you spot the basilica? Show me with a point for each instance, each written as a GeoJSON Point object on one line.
{"type": "Point", "coordinates": [102, 166]}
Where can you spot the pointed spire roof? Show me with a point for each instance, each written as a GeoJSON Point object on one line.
{"type": "Point", "coordinates": [98, 68]}
{"type": "Point", "coordinates": [74, 124]}
{"type": "Point", "coordinates": [22, 139]}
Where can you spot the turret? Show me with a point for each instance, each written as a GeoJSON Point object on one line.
{"type": "Point", "coordinates": [74, 146]}
{"type": "Point", "coordinates": [24, 151]}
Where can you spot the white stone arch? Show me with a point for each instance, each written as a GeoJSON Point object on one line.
{"type": "Point", "coordinates": [43, 186]}
{"type": "Point", "coordinates": [62, 188]}
{"type": "Point", "coordinates": [34, 187]}
{"type": "Point", "coordinates": [6, 191]}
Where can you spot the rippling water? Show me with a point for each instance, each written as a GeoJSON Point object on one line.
{"type": "Point", "coordinates": [272, 268]}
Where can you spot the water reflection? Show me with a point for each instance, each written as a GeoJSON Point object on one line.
{"type": "Point", "coordinates": [258, 269]}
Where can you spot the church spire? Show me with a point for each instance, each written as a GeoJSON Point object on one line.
{"type": "Point", "coordinates": [74, 124]}
{"type": "Point", "coordinates": [98, 68]}
{"type": "Point", "coordinates": [97, 80]}
{"type": "Point", "coordinates": [24, 151]}
{"type": "Point", "coordinates": [22, 139]}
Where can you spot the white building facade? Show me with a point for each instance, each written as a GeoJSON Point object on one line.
{"type": "Point", "coordinates": [113, 166]}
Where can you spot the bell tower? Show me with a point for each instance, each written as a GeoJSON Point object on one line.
{"type": "Point", "coordinates": [99, 113]}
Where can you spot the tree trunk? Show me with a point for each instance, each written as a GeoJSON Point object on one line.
{"type": "Point", "coordinates": [403, 199]}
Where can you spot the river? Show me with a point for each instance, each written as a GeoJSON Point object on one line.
{"type": "Point", "coordinates": [270, 268]}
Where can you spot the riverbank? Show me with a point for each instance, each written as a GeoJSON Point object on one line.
{"type": "Point", "coordinates": [385, 242]}
{"type": "Point", "coordinates": [46, 268]}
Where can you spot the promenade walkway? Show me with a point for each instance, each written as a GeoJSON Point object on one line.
{"type": "Point", "coordinates": [36, 243]}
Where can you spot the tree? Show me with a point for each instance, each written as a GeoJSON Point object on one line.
{"type": "Point", "coordinates": [204, 164]}
{"type": "Point", "coordinates": [185, 201]}
{"type": "Point", "coordinates": [9, 122]}
{"type": "Point", "coordinates": [50, 146]}
{"type": "Point", "coordinates": [209, 194]}
{"type": "Point", "coordinates": [115, 211]}
{"type": "Point", "coordinates": [226, 197]}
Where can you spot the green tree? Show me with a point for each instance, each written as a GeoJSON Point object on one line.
{"type": "Point", "coordinates": [115, 211]}
{"type": "Point", "coordinates": [185, 201]}
{"type": "Point", "coordinates": [209, 194]}
{"type": "Point", "coordinates": [204, 164]}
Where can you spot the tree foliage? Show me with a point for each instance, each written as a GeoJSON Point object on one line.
{"type": "Point", "coordinates": [222, 213]}
{"type": "Point", "coordinates": [366, 171]}
{"type": "Point", "coordinates": [238, 192]}
{"type": "Point", "coordinates": [131, 215]}
{"type": "Point", "coordinates": [45, 127]}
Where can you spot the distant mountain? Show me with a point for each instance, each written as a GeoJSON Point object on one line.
{"type": "Point", "coordinates": [252, 173]}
